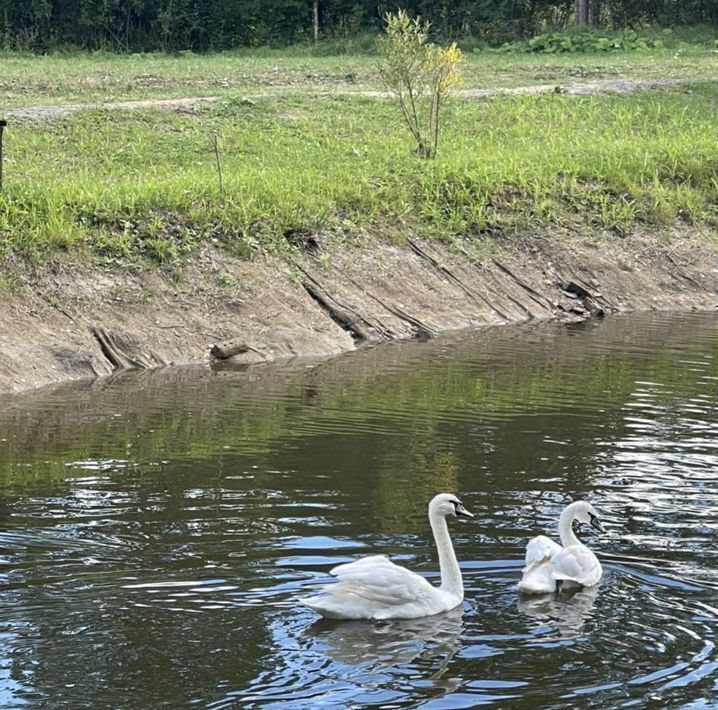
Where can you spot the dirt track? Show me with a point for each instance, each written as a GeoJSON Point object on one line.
{"type": "Point", "coordinates": [47, 113]}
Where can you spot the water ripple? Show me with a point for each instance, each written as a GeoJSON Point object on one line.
{"type": "Point", "coordinates": [160, 528]}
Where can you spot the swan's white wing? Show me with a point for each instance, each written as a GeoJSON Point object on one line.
{"type": "Point", "coordinates": [538, 578]}
{"type": "Point", "coordinates": [578, 564]}
{"type": "Point", "coordinates": [375, 588]}
{"type": "Point", "coordinates": [371, 562]}
{"type": "Point", "coordinates": [540, 549]}
{"type": "Point", "coordinates": [379, 579]}
{"type": "Point", "coordinates": [538, 573]}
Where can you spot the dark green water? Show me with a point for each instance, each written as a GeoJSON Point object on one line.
{"type": "Point", "coordinates": [157, 528]}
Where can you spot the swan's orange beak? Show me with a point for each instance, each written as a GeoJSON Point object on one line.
{"type": "Point", "coordinates": [460, 510]}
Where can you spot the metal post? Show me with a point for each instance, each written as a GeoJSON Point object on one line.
{"type": "Point", "coordinates": [3, 123]}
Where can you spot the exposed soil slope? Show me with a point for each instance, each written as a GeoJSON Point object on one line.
{"type": "Point", "coordinates": [72, 321]}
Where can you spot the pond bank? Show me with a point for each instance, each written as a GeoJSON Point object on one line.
{"type": "Point", "coordinates": [70, 321]}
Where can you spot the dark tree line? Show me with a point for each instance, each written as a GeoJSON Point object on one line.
{"type": "Point", "coordinates": [201, 25]}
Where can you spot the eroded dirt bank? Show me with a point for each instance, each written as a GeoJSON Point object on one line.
{"type": "Point", "coordinates": [69, 321]}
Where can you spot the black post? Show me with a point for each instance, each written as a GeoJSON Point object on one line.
{"type": "Point", "coordinates": [3, 123]}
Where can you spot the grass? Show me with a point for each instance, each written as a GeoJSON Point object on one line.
{"type": "Point", "coordinates": [29, 80]}
{"type": "Point", "coordinates": [128, 184]}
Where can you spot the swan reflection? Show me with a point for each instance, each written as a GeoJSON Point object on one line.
{"type": "Point", "coordinates": [568, 609]}
{"type": "Point", "coordinates": [430, 642]}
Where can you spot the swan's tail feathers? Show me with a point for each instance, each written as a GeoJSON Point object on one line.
{"type": "Point", "coordinates": [537, 579]}
{"type": "Point", "coordinates": [342, 601]}
{"type": "Point", "coordinates": [321, 603]}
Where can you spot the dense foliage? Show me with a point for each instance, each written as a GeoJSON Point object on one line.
{"type": "Point", "coordinates": [200, 25]}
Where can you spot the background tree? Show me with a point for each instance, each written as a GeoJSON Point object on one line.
{"type": "Point", "coordinates": [581, 13]}
{"type": "Point", "coordinates": [204, 25]}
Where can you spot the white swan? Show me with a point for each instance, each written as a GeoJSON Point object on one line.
{"type": "Point", "coordinates": [549, 564]}
{"type": "Point", "coordinates": [375, 588]}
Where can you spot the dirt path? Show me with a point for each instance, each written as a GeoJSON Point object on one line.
{"type": "Point", "coordinates": [40, 113]}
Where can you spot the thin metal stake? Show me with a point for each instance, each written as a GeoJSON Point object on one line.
{"type": "Point", "coordinates": [3, 123]}
{"type": "Point", "coordinates": [215, 144]}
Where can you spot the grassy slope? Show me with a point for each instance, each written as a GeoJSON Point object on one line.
{"type": "Point", "coordinates": [129, 183]}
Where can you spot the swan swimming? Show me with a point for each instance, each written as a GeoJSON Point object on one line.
{"type": "Point", "coordinates": [548, 565]}
{"type": "Point", "coordinates": [375, 588]}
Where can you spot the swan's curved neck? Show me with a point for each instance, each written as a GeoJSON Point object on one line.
{"type": "Point", "coordinates": [565, 528]}
{"type": "Point", "coordinates": [450, 572]}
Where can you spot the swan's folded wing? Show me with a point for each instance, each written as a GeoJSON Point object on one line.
{"type": "Point", "coordinates": [538, 578]}
{"type": "Point", "coordinates": [374, 562]}
{"type": "Point", "coordinates": [578, 564]}
{"type": "Point", "coordinates": [378, 580]}
{"type": "Point", "coordinates": [541, 549]}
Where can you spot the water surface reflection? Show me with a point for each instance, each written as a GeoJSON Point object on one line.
{"type": "Point", "coordinates": [159, 527]}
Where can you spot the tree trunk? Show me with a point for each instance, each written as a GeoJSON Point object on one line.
{"type": "Point", "coordinates": [595, 13]}
{"type": "Point", "coordinates": [581, 13]}
{"type": "Point", "coordinates": [315, 19]}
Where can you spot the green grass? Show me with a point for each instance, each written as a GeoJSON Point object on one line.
{"type": "Point", "coordinates": [29, 80]}
{"type": "Point", "coordinates": [127, 184]}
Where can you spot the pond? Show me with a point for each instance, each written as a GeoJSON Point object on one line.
{"type": "Point", "coordinates": [159, 527]}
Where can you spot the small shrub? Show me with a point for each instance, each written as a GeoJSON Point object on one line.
{"type": "Point", "coordinates": [615, 212]}
{"type": "Point", "coordinates": [421, 75]}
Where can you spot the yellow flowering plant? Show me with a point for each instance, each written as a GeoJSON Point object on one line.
{"type": "Point", "coordinates": [420, 74]}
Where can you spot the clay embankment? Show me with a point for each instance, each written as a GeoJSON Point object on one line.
{"type": "Point", "coordinates": [72, 321]}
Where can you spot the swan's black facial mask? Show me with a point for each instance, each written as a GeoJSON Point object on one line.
{"type": "Point", "coordinates": [460, 510]}
{"type": "Point", "coordinates": [596, 523]}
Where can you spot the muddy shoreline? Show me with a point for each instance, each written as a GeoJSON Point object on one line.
{"type": "Point", "coordinates": [70, 321]}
